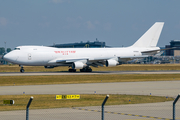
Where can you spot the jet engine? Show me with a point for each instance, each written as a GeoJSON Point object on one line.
{"type": "Point", "coordinates": [111, 63]}
{"type": "Point", "coordinates": [78, 65]}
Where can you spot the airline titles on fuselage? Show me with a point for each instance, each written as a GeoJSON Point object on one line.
{"type": "Point", "coordinates": [64, 52]}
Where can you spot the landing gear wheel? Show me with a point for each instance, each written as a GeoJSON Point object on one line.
{"type": "Point", "coordinates": [22, 70]}
{"type": "Point", "coordinates": [72, 70]}
{"type": "Point", "coordinates": [86, 69]}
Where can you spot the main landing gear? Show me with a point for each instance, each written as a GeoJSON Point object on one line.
{"type": "Point", "coordinates": [72, 70]}
{"type": "Point", "coordinates": [22, 69]}
{"type": "Point", "coordinates": [86, 69]}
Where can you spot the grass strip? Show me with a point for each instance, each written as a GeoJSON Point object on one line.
{"type": "Point", "coordinates": [49, 101]}
{"type": "Point", "coordinates": [124, 67]}
{"type": "Point", "coordinates": [70, 79]}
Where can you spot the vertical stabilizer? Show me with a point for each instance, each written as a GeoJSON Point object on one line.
{"type": "Point", "coordinates": [151, 37]}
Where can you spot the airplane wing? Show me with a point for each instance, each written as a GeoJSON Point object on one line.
{"type": "Point", "coordinates": [59, 60]}
{"type": "Point", "coordinates": [96, 62]}
{"type": "Point", "coordinates": [127, 58]}
{"type": "Point", "coordinates": [89, 61]}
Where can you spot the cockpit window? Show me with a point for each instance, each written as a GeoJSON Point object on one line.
{"type": "Point", "coordinates": [16, 48]}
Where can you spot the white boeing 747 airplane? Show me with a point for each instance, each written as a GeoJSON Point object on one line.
{"type": "Point", "coordinates": [83, 58]}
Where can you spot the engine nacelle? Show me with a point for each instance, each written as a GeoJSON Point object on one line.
{"type": "Point", "coordinates": [48, 66]}
{"type": "Point", "coordinates": [111, 63]}
{"type": "Point", "coordinates": [78, 65]}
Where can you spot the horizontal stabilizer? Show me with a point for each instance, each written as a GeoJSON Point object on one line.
{"type": "Point", "coordinates": [159, 50]}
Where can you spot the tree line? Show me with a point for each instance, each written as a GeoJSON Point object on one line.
{"type": "Point", "coordinates": [3, 51]}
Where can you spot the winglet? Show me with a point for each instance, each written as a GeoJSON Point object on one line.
{"type": "Point", "coordinates": [151, 37]}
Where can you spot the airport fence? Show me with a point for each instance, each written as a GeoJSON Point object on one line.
{"type": "Point", "coordinates": [145, 111]}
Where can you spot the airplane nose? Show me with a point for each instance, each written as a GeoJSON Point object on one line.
{"type": "Point", "coordinates": [5, 57]}
{"type": "Point", "coordinates": [10, 57]}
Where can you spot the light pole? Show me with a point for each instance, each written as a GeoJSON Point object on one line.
{"type": "Point", "coordinates": [5, 46]}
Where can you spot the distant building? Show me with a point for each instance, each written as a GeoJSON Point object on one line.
{"type": "Point", "coordinates": [173, 52]}
{"type": "Point", "coordinates": [95, 44]}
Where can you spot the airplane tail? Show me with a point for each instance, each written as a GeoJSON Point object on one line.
{"type": "Point", "coordinates": [150, 37]}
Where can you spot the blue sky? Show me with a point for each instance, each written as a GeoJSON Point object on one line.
{"type": "Point", "coordinates": [116, 22]}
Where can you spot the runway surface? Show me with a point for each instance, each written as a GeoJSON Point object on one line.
{"type": "Point", "coordinates": [158, 88]}
{"type": "Point", "coordinates": [86, 73]}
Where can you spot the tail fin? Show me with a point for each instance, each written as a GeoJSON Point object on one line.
{"type": "Point", "coordinates": [151, 37]}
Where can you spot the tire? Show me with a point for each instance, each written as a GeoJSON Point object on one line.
{"type": "Point", "coordinates": [22, 70]}
{"type": "Point", "coordinates": [82, 70]}
{"type": "Point", "coordinates": [89, 70]}
{"type": "Point", "coordinates": [86, 70]}
{"type": "Point", "coordinates": [72, 70]}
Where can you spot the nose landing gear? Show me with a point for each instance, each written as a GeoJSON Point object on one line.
{"type": "Point", "coordinates": [22, 69]}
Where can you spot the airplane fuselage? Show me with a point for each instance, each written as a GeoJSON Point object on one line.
{"type": "Point", "coordinates": [44, 56]}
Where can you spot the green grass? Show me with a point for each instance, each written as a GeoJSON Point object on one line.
{"type": "Point", "coordinates": [70, 79]}
{"type": "Point", "coordinates": [49, 101]}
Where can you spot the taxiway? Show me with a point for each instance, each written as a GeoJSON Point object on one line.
{"type": "Point", "coordinates": [157, 88]}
